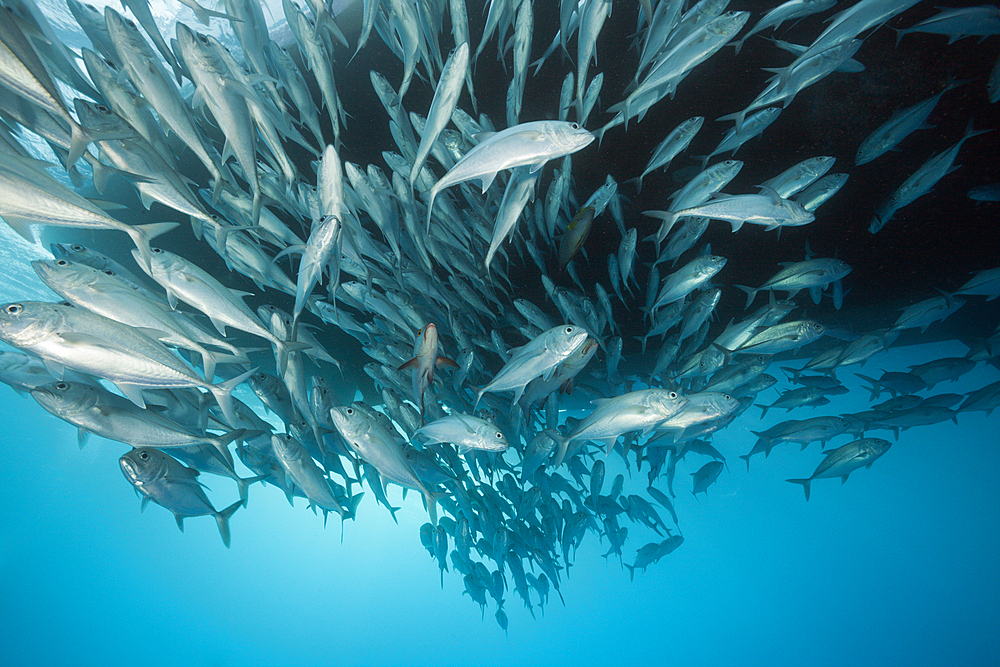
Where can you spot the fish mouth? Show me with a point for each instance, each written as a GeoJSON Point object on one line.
{"type": "Point", "coordinates": [130, 469]}
{"type": "Point", "coordinates": [40, 392]}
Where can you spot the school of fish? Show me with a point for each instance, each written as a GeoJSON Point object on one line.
{"type": "Point", "coordinates": [481, 377]}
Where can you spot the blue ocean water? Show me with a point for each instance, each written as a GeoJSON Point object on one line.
{"type": "Point", "coordinates": [896, 567]}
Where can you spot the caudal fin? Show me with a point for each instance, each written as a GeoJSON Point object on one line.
{"type": "Point", "coordinates": [143, 234]}
{"type": "Point", "coordinates": [223, 397]}
{"type": "Point", "coordinates": [284, 348]}
{"type": "Point", "coordinates": [751, 293]}
{"type": "Point", "coordinates": [222, 518]}
{"type": "Point", "coordinates": [804, 483]}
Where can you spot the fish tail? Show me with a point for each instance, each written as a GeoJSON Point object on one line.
{"type": "Point", "coordinates": [430, 209]}
{"type": "Point", "coordinates": [244, 486]}
{"type": "Point", "coordinates": [221, 443]}
{"type": "Point", "coordinates": [562, 445]}
{"type": "Point", "coordinates": [746, 457]}
{"type": "Point", "coordinates": [751, 293]}
{"type": "Point", "coordinates": [286, 347]}
{"type": "Point", "coordinates": [217, 188]}
{"type": "Point", "coordinates": [143, 234]}
{"type": "Point", "coordinates": [258, 203]}
{"type": "Point", "coordinates": [431, 498]}
{"type": "Point", "coordinates": [804, 483]}
{"type": "Point", "coordinates": [223, 397]}
{"type": "Point", "coordinates": [355, 500]}
{"type": "Point", "coordinates": [876, 389]}
{"type": "Point", "coordinates": [222, 518]}
{"type": "Point", "coordinates": [78, 144]}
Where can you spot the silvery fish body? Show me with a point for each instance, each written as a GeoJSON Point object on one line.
{"type": "Point", "coordinates": [378, 443]}
{"type": "Point", "coordinates": [306, 474]}
{"type": "Point", "coordinates": [93, 409]}
{"type": "Point", "coordinates": [538, 358]}
{"type": "Point", "coordinates": [689, 278]}
{"type": "Point", "coordinates": [844, 460]}
{"type": "Point", "coordinates": [528, 144]}
{"type": "Point", "coordinates": [641, 410]}
{"type": "Point", "coordinates": [170, 484]}
{"type": "Point", "coordinates": [466, 431]}
{"type": "Point", "coordinates": [147, 74]}
{"type": "Point", "coordinates": [77, 339]}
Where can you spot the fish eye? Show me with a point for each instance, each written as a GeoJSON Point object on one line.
{"type": "Point", "coordinates": [727, 397]}
{"type": "Point", "coordinates": [349, 411]}
{"type": "Point", "coordinates": [62, 386]}
{"type": "Point", "coordinates": [108, 272]}
{"type": "Point", "coordinates": [143, 455]}
{"type": "Point", "coordinates": [129, 23]}
{"type": "Point", "coordinates": [158, 251]}
{"type": "Point", "coordinates": [202, 38]}
{"type": "Point", "coordinates": [77, 248]}
{"type": "Point", "coordinates": [13, 309]}
{"type": "Point", "coordinates": [499, 435]}
{"type": "Point", "coordinates": [288, 437]}
{"type": "Point", "coordinates": [575, 126]}
{"type": "Point", "coordinates": [729, 163]}
{"type": "Point", "coordinates": [62, 262]}
{"type": "Point", "coordinates": [569, 330]}
{"type": "Point", "coordinates": [672, 395]}
{"type": "Point", "coordinates": [103, 109]}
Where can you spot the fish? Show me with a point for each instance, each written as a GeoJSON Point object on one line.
{"type": "Point", "coordinates": [767, 209]}
{"type": "Point", "coordinates": [381, 446]}
{"type": "Point", "coordinates": [538, 357]}
{"type": "Point", "coordinates": [453, 75]}
{"type": "Point", "coordinates": [93, 409]}
{"type": "Point", "coordinates": [168, 483]}
{"type": "Point", "coordinates": [844, 460]}
{"type": "Point", "coordinates": [705, 476]}
{"type": "Point", "coordinates": [184, 281]}
{"type": "Point", "coordinates": [641, 410]}
{"type": "Point", "coordinates": [464, 431]}
{"type": "Point", "coordinates": [146, 73]}
{"type": "Point", "coordinates": [72, 338]}
{"type": "Point", "coordinates": [801, 275]}
{"type": "Point", "coordinates": [425, 359]}
{"type": "Point", "coordinates": [530, 144]}
{"type": "Point", "coordinates": [29, 197]}
{"type": "Point", "coordinates": [23, 72]}
{"type": "Point", "coordinates": [307, 475]}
